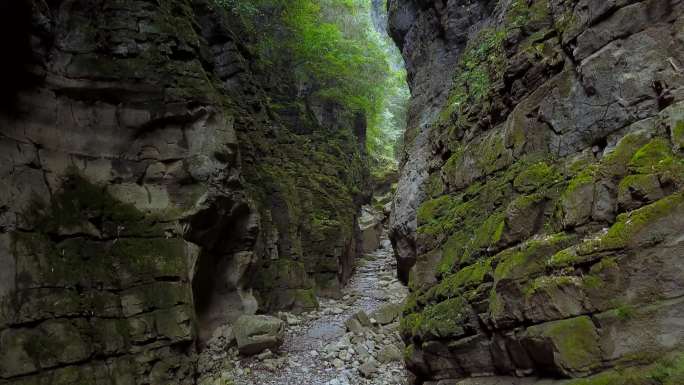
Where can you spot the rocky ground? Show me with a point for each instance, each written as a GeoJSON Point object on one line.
{"type": "Point", "coordinates": [352, 341]}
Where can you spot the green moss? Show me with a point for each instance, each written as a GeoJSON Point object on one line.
{"type": "Point", "coordinates": [653, 157]}
{"type": "Point", "coordinates": [585, 177]}
{"type": "Point", "coordinates": [496, 304]}
{"type": "Point", "coordinates": [603, 265]}
{"type": "Point", "coordinates": [646, 186]}
{"type": "Point", "coordinates": [442, 320]}
{"type": "Point", "coordinates": [409, 351]}
{"type": "Point", "coordinates": [409, 324]}
{"type": "Point", "coordinates": [528, 258]}
{"type": "Point", "coordinates": [434, 186]}
{"type": "Point", "coordinates": [666, 371]}
{"type": "Point", "coordinates": [575, 341]}
{"type": "Point", "coordinates": [453, 251]}
{"type": "Point", "coordinates": [433, 209]}
{"type": "Point", "coordinates": [536, 176]}
{"type": "Point", "coordinates": [615, 164]}
{"type": "Point", "coordinates": [630, 225]}
{"type": "Point", "coordinates": [470, 276]}
{"type": "Point", "coordinates": [656, 157]}
{"type": "Point", "coordinates": [490, 231]}
{"type": "Point", "coordinates": [526, 203]}
{"type": "Point", "coordinates": [305, 299]}
{"type": "Point", "coordinates": [546, 282]}
{"type": "Point", "coordinates": [625, 312]}
{"type": "Point", "coordinates": [480, 67]}
{"type": "Point", "coordinates": [563, 258]}
{"type": "Point", "coordinates": [453, 164]}
{"type": "Point", "coordinates": [158, 257]}
{"type": "Point", "coordinates": [678, 135]}
{"type": "Point", "coordinates": [491, 154]}
{"type": "Point", "coordinates": [523, 13]}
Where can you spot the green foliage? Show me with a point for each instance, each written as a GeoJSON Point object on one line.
{"type": "Point", "coordinates": [240, 7]}
{"type": "Point", "coordinates": [480, 67]}
{"type": "Point", "coordinates": [336, 54]}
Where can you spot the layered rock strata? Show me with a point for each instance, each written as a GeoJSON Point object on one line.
{"type": "Point", "coordinates": [539, 215]}
{"type": "Point", "coordinates": [154, 188]}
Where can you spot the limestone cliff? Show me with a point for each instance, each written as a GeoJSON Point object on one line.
{"type": "Point", "coordinates": [538, 219]}
{"type": "Point", "coordinates": [155, 184]}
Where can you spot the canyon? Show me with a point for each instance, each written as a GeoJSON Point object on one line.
{"type": "Point", "coordinates": [163, 182]}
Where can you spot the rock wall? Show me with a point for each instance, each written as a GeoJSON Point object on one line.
{"type": "Point", "coordinates": [156, 185]}
{"type": "Point", "coordinates": [539, 215]}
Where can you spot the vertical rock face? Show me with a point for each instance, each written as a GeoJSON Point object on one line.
{"type": "Point", "coordinates": [154, 187]}
{"type": "Point", "coordinates": [539, 215]}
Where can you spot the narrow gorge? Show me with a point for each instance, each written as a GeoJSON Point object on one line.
{"type": "Point", "coordinates": [342, 192]}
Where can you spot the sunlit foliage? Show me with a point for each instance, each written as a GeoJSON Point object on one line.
{"type": "Point", "coordinates": [337, 54]}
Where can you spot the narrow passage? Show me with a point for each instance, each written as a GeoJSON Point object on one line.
{"type": "Point", "coordinates": [320, 349]}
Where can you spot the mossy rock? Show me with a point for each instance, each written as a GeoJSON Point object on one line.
{"type": "Point", "coordinates": [637, 190]}
{"type": "Point", "coordinates": [636, 228]}
{"type": "Point", "coordinates": [536, 176]}
{"type": "Point", "coordinates": [678, 135]}
{"type": "Point", "coordinates": [529, 258]}
{"type": "Point", "coordinates": [442, 320]}
{"type": "Point", "coordinates": [666, 371]}
{"type": "Point", "coordinates": [573, 343]}
{"type": "Point", "coordinates": [468, 277]}
{"type": "Point", "coordinates": [577, 200]}
{"type": "Point", "coordinates": [615, 164]}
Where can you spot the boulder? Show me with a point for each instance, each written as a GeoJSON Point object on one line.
{"type": "Point", "coordinates": [256, 333]}
{"type": "Point", "coordinates": [362, 318]}
{"type": "Point", "coordinates": [390, 353]}
{"type": "Point", "coordinates": [371, 228]}
{"type": "Point", "coordinates": [387, 314]}
{"type": "Point", "coordinates": [368, 368]}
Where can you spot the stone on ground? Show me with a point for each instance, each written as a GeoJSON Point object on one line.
{"type": "Point", "coordinates": [387, 314]}
{"type": "Point", "coordinates": [256, 333]}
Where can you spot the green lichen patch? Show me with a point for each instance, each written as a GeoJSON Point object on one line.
{"type": "Point", "coordinates": [490, 232]}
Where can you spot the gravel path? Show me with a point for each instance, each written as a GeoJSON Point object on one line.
{"type": "Point", "coordinates": [318, 350]}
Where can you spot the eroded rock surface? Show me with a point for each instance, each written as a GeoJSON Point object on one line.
{"type": "Point", "coordinates": [155, 186]}
{"type": "Point", "coordinates": [539, 215]}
